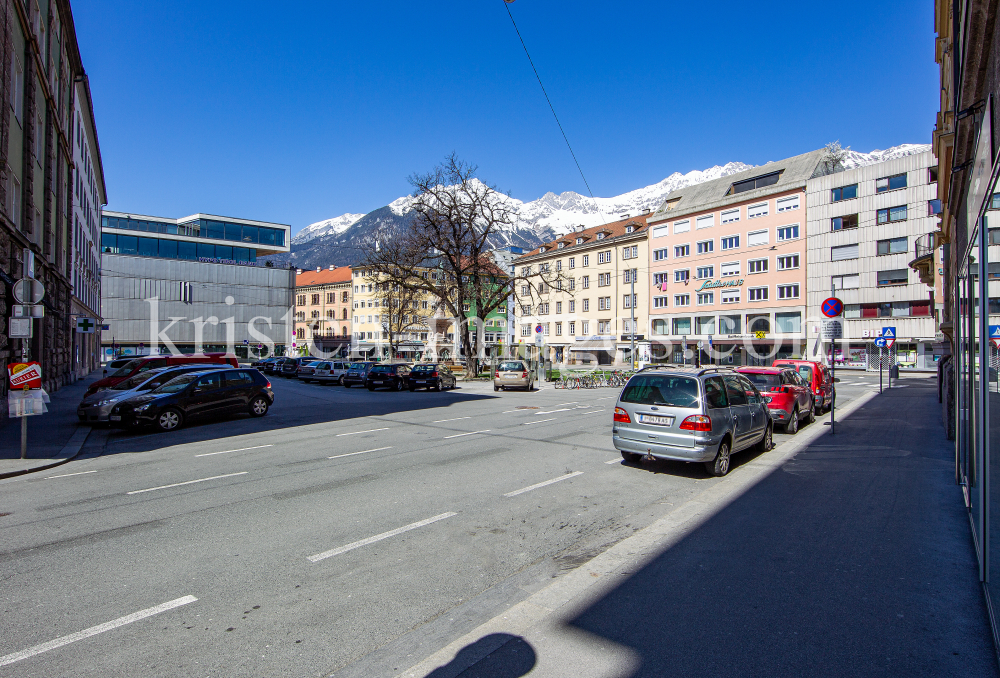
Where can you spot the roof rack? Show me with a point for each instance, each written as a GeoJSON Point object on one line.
{"type": "Point", "coordinates": [714, 369]}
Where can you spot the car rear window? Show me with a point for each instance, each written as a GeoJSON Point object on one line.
{"type": "Point", "coordinates": [127, 368]}
{"type": "Point", "coordinates": [382, 368]}
{"type": "Point", "coordinates": [424, 368]}
{"type": "Point", "coordinates": [357, 366]}
{"type": "Point", "coordinates": [511, 367]}
{"type": "Point", "coordinates": [652, 389]}
{"type": "Point", "coordinates": [764, 382]}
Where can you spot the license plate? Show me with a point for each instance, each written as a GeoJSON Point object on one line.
{"type": "Point", "coordinates": [377, 383]}
{"type": "Point", "coordinates": [116, 417]}
{"type": "Point", "coordinates": [655, 419]}
{"type": "Point", "coordinates": [419, 381]}
{"type": "Point", "coordinates": [511, 376]}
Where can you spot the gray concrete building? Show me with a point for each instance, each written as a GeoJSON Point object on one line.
{"type": "Point", "coordinates": [193, 284]}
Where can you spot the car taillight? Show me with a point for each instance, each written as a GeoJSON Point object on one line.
{"type": "Point", "coordinates": [434, 374]}
{"type": "Point", "coordinates": [269, 384]}
{"type": "Point", "coordinates": [697, 422]}
{"type": "Point", "coordinates": [622, 416]}
{"type": "Point", "coordinates": [497, 375]}
{"type": "Point", "coordinates": [524, 375]}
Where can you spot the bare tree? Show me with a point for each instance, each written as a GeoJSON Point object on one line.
{"type": "Point", "coordinates": [400, 312]}
{"type": "Point", "coordinates": [447, 250]}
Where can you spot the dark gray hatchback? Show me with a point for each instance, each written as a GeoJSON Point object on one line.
{"type": "Point", "coordinates": [690, 414]}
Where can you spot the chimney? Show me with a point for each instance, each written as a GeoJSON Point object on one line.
{"type": "Point", "coordinates": [332, 267]}
{"type": "Point", "coordinates": [319, 268]}
{"type": "Point", "coordinates": [298, 271]}
{"type": "Point", "coordinates": [625, 216]}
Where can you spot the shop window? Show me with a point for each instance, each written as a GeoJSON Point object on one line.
{"type": "Point", "coordinates": [705, 324]}
{"type": "Point", "coordinates": [660, 326]}
{"type": "Point", "coordinates": [682, 326]}
{"type": "Point", "coordinates": [730, 324]}
{"type": "Point", "coordinates": [788, 323]}
{"type": "Point", "coordinates": [758, 323]}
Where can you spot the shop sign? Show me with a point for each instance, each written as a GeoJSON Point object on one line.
{"type": "Point", "coordinates": [712, 284]}
{"type": "Point", "coordinates": [231, 262]}
{"type": "Point", "coordinates": [25, 375]}
{"type": "Point", "coordinates": [630, 337]}
{"type": "Point", "coordinates": [596, 337]}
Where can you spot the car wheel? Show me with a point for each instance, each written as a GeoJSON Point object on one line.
{"type": "Point", "coordinates": [371, 388]}
{"type": "Point", "coordinates": [496, 388]}
{"type": "Point", "coordinates": [342, 381]}
{"type": "Point", "coordinates": [767, 442]}
{"type": "Point", "coordinates": [720, 465]}
{"type": "Point", "coordinates": [259, 406]}
{"type": "Point", "coordinates": [811, 417]}
{"type": "Point", "coordinates": [399, 385]}
{"type": "Point", "coordinates": [439, 387]}
{"type": "Point", "coordinates": [169, 420]}
{"type": "Point", "coordinates": [631, 457]}
{"type": "Point", "coordinates": [792, 425]}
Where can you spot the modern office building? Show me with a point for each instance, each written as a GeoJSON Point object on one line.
{"type": "Point", "coordinates": [42, 76]}
{"type": "Point", "coordinates": [193, 284]}
{"type": "Point", "coordinates": [863, 225]}
{"type": "Point", "coordinates": [589, 314]}
{"type": "Point", "coordinates": [727, 265]}
{"type": "Point", "coordinates": [323, 311]}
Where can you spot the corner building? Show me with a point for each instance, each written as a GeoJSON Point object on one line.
{"type": "Point", "coordinates": [323, 310]}
{"type": "Point", "coordinates": [727, 265]}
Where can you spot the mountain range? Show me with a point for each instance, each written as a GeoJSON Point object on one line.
{"type": "Point", "coordinates": [337, 241]}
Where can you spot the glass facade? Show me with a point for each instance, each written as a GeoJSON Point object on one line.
{"type": "Point", "coordinates": [114, 243]}
{"type": "Point", "coordinates": [202, 228]}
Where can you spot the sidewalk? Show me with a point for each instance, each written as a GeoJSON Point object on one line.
{"type": "Point", "coordinates": [53, 437]}
{"type": "Point", "coordinates": [845, 555]}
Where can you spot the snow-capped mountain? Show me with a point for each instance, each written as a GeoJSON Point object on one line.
{"type": "Point", "coordinates": [337, 240]}
{"type": "Point", "coordinates": [326, 227]}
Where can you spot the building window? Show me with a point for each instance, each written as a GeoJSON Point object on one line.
{"type": "Point", "coordinates": [787, 204]}
{"type": "Point", "coordinates": [558, 329]}
{"type": "Point", "coordinates": [17, 89]}
{"type": "Point", "coordinates": [558, 307]}
{"type": "Point", "coordinates": [706, 246]}
{"type": "Point", "coordinates": [731, 243]}
{"type": "Point", "coordinates": [630, 276]}
{"type": "Point", "coordinates": [788, 291]}
{"type": "Point", "coordinates": [788, 232]}
{"type": "Point", "coordinates": [682, 275]}
{"type": "Point", "coordinates": [933, 207]}
{"type": "Point", "coordinates": [788, 261]}
{"type": "Point", "coordinates": [706, 298]}
{"type": "Point", "coordinates": [788, 323]}
{"type": "Point", "coordinates": [757, 294]}
{"type": "Point", "coordinates": [731, 297]}
{"type": "Point", "coordinates": [846, 282]}
{"type": "Point", "coordinates": [890, 183]}
{"type": "Point", "coordinates": [630, 252]}
{"type": "Point", "coordinates": [757, 266]}
{"type": "Point", "coordinates": [706, 221]}
{"type": "Point", "coordinates": [603, 279]}
{"type": "Point", "coordinates": [757, 238]}
{"type": "Point", "coordinates": [703, 272]}
{"type": "Point", "coordinates": [659, 302]}
{"type": "Point", "coordinates": [315, 300]}
{"type": "Point", "coordinates": [844, 252]}
{"type": "Point", "coordinates": [572, 262]}
{"type": "Point", "coordinates": [730, 324]}
{"type": "Point", "coordinates": [543, 309]}
{"type": "Point", "coordinates": [604, 257]}
{"type": "Point", "coordinates": [586, 260]}
{"type": "Point", "coordinates": [586, 305]}
{"type": "Point", "coordinates": [682, 251]}
{"type": "Point", "coordinates": [682, 326]}
{"type": "Point", "coordinates": [572, 284]}
{"type": "Point", "coordinates": [300, 300]}
{"type": "Point", "coordinates": [846, 221]}
{"type": "Point", "coordinates": [600, 236]}
{"type": "Point", "coordinates": [844, 193]}
{"type": "Point", "coordinates": [572, 329]}
{"type": "Point", "coordinates": [604, 327]}
{"type": "Point", "coordinates": [730, 216]}
{"type": "Point", "coordinates": [572, 307]}
{"type": "Point", "coordinates": [730, 268]}
{"type": "Point", "coordinates": [585, 282]}
{"type": "Point", "coordinates": [659, 255]}
{"type": "Point", "coordinates": [628, 301]}
{"type": "Point", "coordinates": [682, 300]}
{"type": "Point", "coordinates": [585, 327]}
{"type": "Point", "coordinates": [604, 303]}
{"type": "Point", "coordinates": [559, 263]}
{"type": "Point", "coordinates": [891, 214]}
{"type": "Point", "coordinates": [525, 309]}
{"type": "Point", "coordinates": [545, 329]}
{"type": "Point", "coordinates": [758, 210]}
{"type": "Point", "coordinates": [526, 270]}
{"type": "Point", "coordinates": [896, 276]}
{"type": "Point", "coordinates": [682, 226]}
{"type": "Point", "coordinates": [525, 290]}
{"type": "Point", "coordinates": [525, 330]}
{"type": "Point", "coordinates": [660, 279]}
{"type": "Point", "coordinates": [754, 183]}
{"type": "Point", "coordinates": [892, 246]}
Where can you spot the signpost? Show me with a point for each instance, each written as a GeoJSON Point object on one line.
{"type": "Point", "coordinates": [884, 343]}
{"type": "Point", "coordinates": [995, 336]}
{"type": "Point", "coordinates": [832, 307]}
{"type": "Point", "coordinates": [25, 375]}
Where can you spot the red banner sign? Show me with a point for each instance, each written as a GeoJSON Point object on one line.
{"type": "Point", "coordinates": [25, 375]}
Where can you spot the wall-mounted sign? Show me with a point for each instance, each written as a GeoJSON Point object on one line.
{"type": "Point", "coordinates": [233, 262]}
{"type": "Point", "coordinates": [712, 284]}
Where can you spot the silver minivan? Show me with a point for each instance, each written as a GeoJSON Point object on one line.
{"type": "Point", "coordinates": [331, 371]}
{"type": "Point", "coordinates": [690, 414]}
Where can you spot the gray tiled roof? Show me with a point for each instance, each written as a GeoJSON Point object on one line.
{"type": "Point", "coordinates": [712, 194]}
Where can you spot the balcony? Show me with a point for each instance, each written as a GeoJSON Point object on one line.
{"type": "Point", "coordinates": [923, 257]}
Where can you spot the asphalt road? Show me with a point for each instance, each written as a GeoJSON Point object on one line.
{"type": "Point", "coordinates": [346, 532]}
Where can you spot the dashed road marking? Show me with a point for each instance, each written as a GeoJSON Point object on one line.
{"type": "Point", "coordinates": [441, 421]}
{"type": "Point", "coordinates": [351, 454]}
{"type": "Point", "coordinates": [187, 482]}
{"type": "Point", "coordinates": [67, 475]}
{"type": "Point", "coordinates": [470, 433]}
{"type": "Point", "coordinates": [539, 421]}
{"type": "Point", "coordinates": [547, 482]}
{"type": "Point", "coordinates": [242, 449]}
{"type": "Point", "coordinates": [354, 433]}
{"type": "Point", "coordinates": [378, 537]}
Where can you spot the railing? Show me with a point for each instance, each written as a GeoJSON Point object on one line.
{"type": "Point", "coordinates": [923, 246]}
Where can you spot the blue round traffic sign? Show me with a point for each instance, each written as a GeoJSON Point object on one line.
{"type": "Point", "coordinates": [832, 307]}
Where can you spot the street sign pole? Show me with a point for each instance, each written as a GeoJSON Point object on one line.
{"type": "Point", "coordinates": [833, 370]}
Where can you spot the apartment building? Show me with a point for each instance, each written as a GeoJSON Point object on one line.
{"type": "Point", "coordinates": [384, 319]}
{"type": "Point", "coordinates": [591, 312]}
{"type": "Point", "coordinates": [323, 310]}
{"type": "Point", "coordinates": [863, 224]}
{"type": "Point", "coordinates": [727, 265]}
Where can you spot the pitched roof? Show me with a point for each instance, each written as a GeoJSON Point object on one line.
{"type": "Point", "coordinates": [611, 230]}
{"type": "Point", "coordinates": [323, 277]}
{"type": "Point", "coordinates": [795, 171]}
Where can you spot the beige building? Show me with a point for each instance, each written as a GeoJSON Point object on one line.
{"type": "Point", "coordinates": [578, 289]}
{"type": "Point", "coordinates": [323, 310]}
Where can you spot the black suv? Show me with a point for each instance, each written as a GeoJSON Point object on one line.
{"type": "Point", "coordinates": [387, 376]}
{"type": "Point", "coordinates": [431, 376]}
{"type": "Point", "coordinates": [208, 394]}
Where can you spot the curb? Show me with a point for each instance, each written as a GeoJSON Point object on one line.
{"type": "Point", "coordinates": [72, 448]}
{"type": "Point", "coordinates": [630, 553]}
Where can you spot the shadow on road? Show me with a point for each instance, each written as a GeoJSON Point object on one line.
{"type": "Point", "coordinates": [498, 655]}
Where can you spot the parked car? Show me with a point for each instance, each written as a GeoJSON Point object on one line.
{"type": "Point", "coordinates": [356, 374]}
{"type": "Point", "coordinates": [148, 362]}
{"type": "Point", "coordinates": [819, 378]}
{"type": "Point", "coordinates": [260, 363]}
{"type": "Point", "coordinates": [116, 364]}
{"type": "Point", "coordinates": [197, 395]}
{"type": "Point", "coordinates": [431, 376]}
{"type": "Point", "coordinates": [690, 414]}
{"type": "Point", "coordinates": [96, 408]}
{"type": "Point", "coordinates": [331, 372]}
{"type": "Point", "coordinates": [274, 367]}
{"type": "Point", "coordinates": [306, 368]}
{"type": "Point", "coordinates": [387, 375]}
{"type": "Point", "coordinates": [512, 374]}
{"type": "Point", "coordinates": [290, 367]}
{"type": "Point", "coordinates": [788, 397]}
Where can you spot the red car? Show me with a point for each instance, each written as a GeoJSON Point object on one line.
{"type": "Point", "coordinates": [788, 397]}
{"type": "Point", "coordinates": [819, 378]}
{"type": "Point", "coordinates": [148, 362]}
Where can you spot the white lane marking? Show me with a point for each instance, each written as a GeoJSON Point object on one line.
{"type": "Point", "coordinates": [547, 482]}
{"type": "Point", "coordinates": [470, 433]}
{"type": "Point", "coordinates": [351, 454]}
{"type": "Point", "coordinates": [187, 482]}
{"type": "Point", "coordinates": [354, 433]}
{"type": "Point", "coordinates": [441, 421]}
{"type": "Point", "coordinates": [614, 461]}
{"type": "Point", "coordinates": [67, 475]}
{"type": "Point", "coordinates": [561, 404]}
{"type": "Point", "coordinates": [242, 449]}
{"type": "Point", "coordinates": [565, 409]}
{"type": "Point", "coordinates": [378, 537]}
{"type": "Point", "coordinates": [539, 421]}
{"type": "Point", "coordinates": [94, 630]}
{"type": "Point", "coordinates": [606, 397]}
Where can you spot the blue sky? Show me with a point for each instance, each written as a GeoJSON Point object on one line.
{"type": "Point", "coordinates": [245, 109]}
